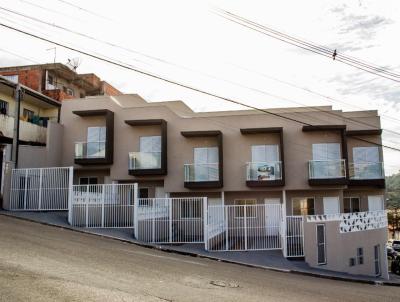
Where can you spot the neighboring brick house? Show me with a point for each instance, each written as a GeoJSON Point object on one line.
{"type": "Point", "coordinates": [58, 81]}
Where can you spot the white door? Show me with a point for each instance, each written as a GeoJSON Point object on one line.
{"type": "Point", "coordinates": [272, 216]}
{"type": "Point", "coordinates": [331, 205]}
{"type": "Point", "coordinates": [375, 203]}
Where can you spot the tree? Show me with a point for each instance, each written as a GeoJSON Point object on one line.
{"type": "Point", "coordinates": [393, 201]}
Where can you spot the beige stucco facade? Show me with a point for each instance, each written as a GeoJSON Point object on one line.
{"type": "Point", "coordinates": [295, 151]}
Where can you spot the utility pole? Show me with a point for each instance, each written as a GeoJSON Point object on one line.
{"type": "Point", "coordinates": [15, 143]}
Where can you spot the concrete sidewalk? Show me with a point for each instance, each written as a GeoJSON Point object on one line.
{"type": "Point", "coordinates": [272, 259]}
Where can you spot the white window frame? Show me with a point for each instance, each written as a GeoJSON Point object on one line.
{"type": "Point", "coordinates": [351, 205]}
{"type": "Point", "coordinates": [266, 154]}
{"type": "Point", "coordinates": [324, 244]}
{"type": "Point", "coordinates": [313, 197]}
{"type": "Point", "coordinates": [359, 257]}
{"type": "Point", "coordinates": [88, 178]}
{"type": "Point", "coordinates": [153, 150]}
{"type": "Point", "coordinates": [326, 157]}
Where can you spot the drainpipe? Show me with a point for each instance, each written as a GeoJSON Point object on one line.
{"type": "Point", "coordinates": [15, 143]}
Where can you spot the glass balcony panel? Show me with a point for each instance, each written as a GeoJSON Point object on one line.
{"type": "Point", "coordinates": [367, 170]}
{"type": "Point", "coordinates": [90, 150]}
{"type": "Point", "coordinates": [144, 160]}
{"type": "Point", "coordinates": [264, 171]}
{"type": "Point", "coordinates": [325, 169]}
{"type": "Point", "coordinates": [201, 172]}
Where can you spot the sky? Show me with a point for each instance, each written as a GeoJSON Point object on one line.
{"type": "Point", "coordinates": [188, 42]}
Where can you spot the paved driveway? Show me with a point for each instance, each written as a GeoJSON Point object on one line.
{"type": "Point", "coordinates": [42, 263]}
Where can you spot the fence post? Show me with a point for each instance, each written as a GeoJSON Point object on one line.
{"type": "Point", "coordinates": [170, 218]}
{"type": "Point", "coordinates": [102, 206]}
{"type": "Point", "coordinates": [205, 222]}
{"type": "Point", "coordinates": [70, 193]}
{"type": "Point", "coordinates": [245, 227]}
{"type": "Point", "coordinates": [87, 205]}
{"type": "Point", "coordinates": [226, 216]}
{"type": "Point", "coordinates": [135, 210]}
{"type": "Point", "coordinates": [26, 187]}
{"type": "Point", "coordinates": [40, 189]}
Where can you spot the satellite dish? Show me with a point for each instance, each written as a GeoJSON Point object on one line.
{"type": "Point", "coordinates": [74, 63]}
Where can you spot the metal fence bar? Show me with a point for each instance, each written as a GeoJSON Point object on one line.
{"type": "Point", "coordinates": [40, 189]}
{"type": "Point", "coordinates": [103, 206]}
{"type": "Point", "coordinates": [244, 227]}
{"type": "Point", "coordinates": [294, 236]}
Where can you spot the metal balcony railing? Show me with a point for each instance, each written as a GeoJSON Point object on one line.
{"type": "Point", "coordinates": [90, 149]}
{"type": "Point", "coordinates": [327, 169]}
{"type": "Point", "coordinates": [144, 160]}
{"type": "Point", "coordinates": [263, 171]}
{"type": "Point", "coordinates": [367, 170]}
{"type": "Point", "coordinates": [201, 172]}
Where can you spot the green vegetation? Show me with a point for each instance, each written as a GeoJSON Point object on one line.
{"type": "Point", "coordinates": [393, 201]}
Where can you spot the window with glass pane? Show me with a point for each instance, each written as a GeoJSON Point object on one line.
{"type": "Point", "coordinates": [264, 162]}
{"type": "Point", "coordinates": [321, 246]}
{"type": "Point", "coordinates": [351, 204]}
{"type": "Point", "coordinates": [326, 160]}
{"type": "Point", "coordinates": [150, 152]}
{"type": "Point", "coordinates": [96, 141]}
{"type": "Point", "coordinates": [206, 164]}
{"type": "Point", "coordinates": [303, 206]}
{"type": "Point", "coordinates": [366, 163]}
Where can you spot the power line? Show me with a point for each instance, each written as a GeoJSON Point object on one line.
{"type": "Point", "coordinates": [83, 9]}
{"type": "Point", "coordinates": [303, 45]}
{"type": "Point", "coordinates": [126, 66]}
{"type": "Point", "coordinates": [231, 82]}
{"type": "Point", "coordinates": [19, 56]}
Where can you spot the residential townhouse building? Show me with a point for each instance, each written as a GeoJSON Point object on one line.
{"type": "Point", "coordinates": [321, 165]}
{"type": "Point", "coordinates": [58, 81]}
{"type": "Point", "coordinates": [29, 127]}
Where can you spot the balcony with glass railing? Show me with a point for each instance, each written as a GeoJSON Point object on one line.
{"type": "Point", "coordinates": [263, 172]}
{"type": "Point", "coordinates": [90, 150]}
{"type": "Point", "coordinates": [144, 160]}
{"type": "Point", "coordinates": [207, 172]}
{"type": "Point", "coordinates": [366, 170]}
{"type": "Point", "coordinates": [327, 169]}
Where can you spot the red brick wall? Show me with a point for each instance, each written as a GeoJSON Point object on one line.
{"type": "Point", "coordinates": [31, 78]}
{"type": "Point", "coordinates": [110, 90]}
{"type": "Point", "coordinates": [57, 94]}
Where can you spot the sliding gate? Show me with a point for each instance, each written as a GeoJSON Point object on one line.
{"type": "Point", "coordinates": [244, 227]}
{"type": "Point", "coordinates": [40, 189]}
{"type": "Point", "coordinates": [170, 220]}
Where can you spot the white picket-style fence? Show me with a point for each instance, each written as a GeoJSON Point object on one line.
{"type": "Point", "coordinates": [102, 206]}
{"type": "Point", "coordinates": [294, 237]}
{"type": "Point", "coordinates": [244, 227]}
{"type": "Point", "coordinates": [170, 220]}
{"type": "Point", "coordinates": [40, 189]}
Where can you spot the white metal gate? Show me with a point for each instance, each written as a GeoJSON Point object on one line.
{"type": "Point", "coordinates": [244, 227]}
{"type": "Point", "coordinates": [294, 236]}
{"type": "Point", "coordinates": [102, 206]}
{"type": "Point", "coordinates": [170, 220]}
{"type": "Point", "coordinates": [40, 189]}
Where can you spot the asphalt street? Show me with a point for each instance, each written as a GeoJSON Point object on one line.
{"type": "Point", "coordinates": [43, 263]}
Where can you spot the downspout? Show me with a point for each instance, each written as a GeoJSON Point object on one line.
{"type": "Point", "coordinates": [15, 144]}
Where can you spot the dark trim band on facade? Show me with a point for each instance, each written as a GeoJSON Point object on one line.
{"type": "Point", "coordinates": [109, 152]}
{"type": "Point", "coordinates": [269, 130]}
{"type": "Point", "coordinates": [364, 132]}
{"type": "Point", "coordinates": [378, 183]}
{"type": "Point", "coordinates": [164, 158]}
{"type": "Point", "coordinates": [208, 184]}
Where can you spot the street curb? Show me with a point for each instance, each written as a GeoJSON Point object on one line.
{"type": "Point", "coordinates": [192, 254]}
